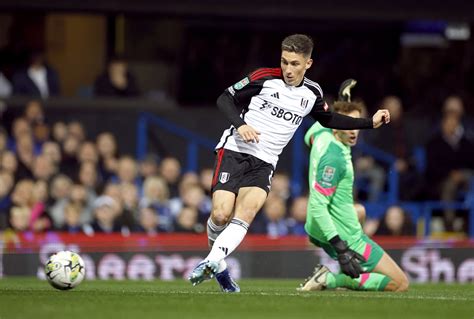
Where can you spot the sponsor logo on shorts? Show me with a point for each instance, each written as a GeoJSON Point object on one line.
{"type": "Point", "coordinates": [224, 177]}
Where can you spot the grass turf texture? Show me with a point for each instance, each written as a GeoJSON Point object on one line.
{"type": "Point", "coordinates": [32, 298]}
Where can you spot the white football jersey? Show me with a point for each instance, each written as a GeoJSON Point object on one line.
{"type": "Point", "coordinates": [274, 109]}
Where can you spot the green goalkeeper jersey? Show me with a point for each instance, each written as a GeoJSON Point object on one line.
{"type": "Point", "coordinates": [331, 176]}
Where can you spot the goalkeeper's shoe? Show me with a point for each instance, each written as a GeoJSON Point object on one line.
{"type": "Point", "coordinates": [226, 282]}
{"type": "Point", "coordinates": [205, 270]}
{"type": "Point", "coordinates": [317, 281]}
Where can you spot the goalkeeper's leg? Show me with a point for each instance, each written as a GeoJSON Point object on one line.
{"type": "Point", "coordinates": [388, 267]}
{"type": "Point", "coordinates": [322, 278]}
{"type": "Point", "coordinates": [386, 276]}
{"type": "Point", "coordinates": [381, 272]}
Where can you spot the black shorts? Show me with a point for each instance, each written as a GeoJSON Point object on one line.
{"type": "Point", "coordinates": [233, 170]}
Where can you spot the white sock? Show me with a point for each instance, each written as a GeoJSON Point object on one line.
{"type": "Point", "coordinates": [228, 240]}
{"type": "Point", "coordinates": [222, 266]}
{"type": "Point", "coordinates": [213, 231]}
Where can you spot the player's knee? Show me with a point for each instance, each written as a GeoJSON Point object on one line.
{"type": "Point", "coordinates": [220, 216]}
{"type": "Point", "coordinates": [403, 285]}
{"type": "Point", "coordinates": [400, 285]}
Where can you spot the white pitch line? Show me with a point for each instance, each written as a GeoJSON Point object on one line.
{"type": "Point", "coordinates": [400, 296]}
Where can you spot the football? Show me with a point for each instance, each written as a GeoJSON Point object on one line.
{"type": "Point", "coordinates": [65, 270]}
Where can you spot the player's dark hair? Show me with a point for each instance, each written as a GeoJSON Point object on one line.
{"type": "Point", "coordinates": [347, 107]}
{"type": "Point", "coordinates": [298, 43]}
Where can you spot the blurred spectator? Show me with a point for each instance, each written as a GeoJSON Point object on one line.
{"type": "Point", "coordinates": [34, 115]}
{"type": "Point", "coordinates": [155, 191]}
{"type": "Point", "coordinates": [130, 198]}
{"type": "Point", "coordinates": [275, 211]}
{"type": "Point", "coordinates": [52, 151]}
{"type": "Point", "coordinates": [3, 139]}
{"type": "Point", "coordinates": [88, 178]}
{"type": "Point", "coordinates": [9, 162]}
{"type": "Point", "coordinates": [396, 222]}
{"type": "Point", "coordinates": [149, 222]}
{"type": "Point", "coordinates": [60, 191]}
{"type": "Point", "coordinates": [187, 221]}
{"type": "Point", "coordinates": [170, 170]}
{"type": "Point", "coordinates": [38, 79]}
{"type": "Point", "coordinates": [298, 215]}
{"type": "Point", "coordinates": [6, 186]}
{"type": "Point", "coordinates": [25, 155]}
{"type": "Point", "coordinates": [72, 218]}
{"type": "Point", "coordinates": [21, 141]}
{"type": "Point", "coordinates": [22, 193]}
{"type": "Point", "coordinates": [205, 178]}
{"type": "Point", "coordinates": [156, 195]}
{"type": "Point", "coordinates": [272, 219]}
{"type": "Point", "coordinates": [450, 160]}
{"type": "Point", "coordinates": [116, 80]}
{"type": "Point", "coordinates": [107, 148]}
{"type": "Point", "coordinates": [453, 106]}
{"type": "Point", "coordinates": [59, 132]}
{"type": "Point", "coordinates": [87, 153]}
{"type": "Point", "coordinates": [129, 195]}
{"type": "Point", "coordinates": [39, 218]}
{"type": "Point", "coordinates": [188, 178]}
{"type": "Point", "coordinates": [20, 127]}
{"type": "Point", "coordinates": [149, 166]}
{"type": "Point", "coordinates": [106, 145]}
{"type": "Point", "coordinates": [5, 87]}
{"type": "Point", "coordinates": [127, 171]}
{"type": "Point", "coordinates": [34, 112]}
{"type": "Point", "coordinates": [281, 186]}
{"type": "Point", "coordinates": [69, 164]}
{"type": "Point", "coordinates": [105, 216]}
{"type": "Point", "coordinates": [43, 168]}
{"type": "Point", "coordinates": [80, 195]}
{"type": "Point", "coordinates": [19, 218]}
{"type": "Point", "coordinates": [193, 196]}
{"type": "Point", "coordinates": [77, 130]}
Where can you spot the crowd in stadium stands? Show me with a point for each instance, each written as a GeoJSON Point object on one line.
{"type": "Point", "coordinates": [53, 177]}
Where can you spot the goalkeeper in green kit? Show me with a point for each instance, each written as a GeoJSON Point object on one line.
{"type": "Point", "coordinates": [332, 222]}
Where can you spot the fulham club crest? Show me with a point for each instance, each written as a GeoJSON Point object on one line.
{"type": "Point", "coordinates": [224, 177]}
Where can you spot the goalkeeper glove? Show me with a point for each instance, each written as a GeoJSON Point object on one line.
{"type": "Point", "coordinates": [349, 260]}
{"type": "Point", "coordinates": [345, 90]}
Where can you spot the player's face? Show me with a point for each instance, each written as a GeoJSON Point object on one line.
{"type": "Point", "coordinates": [348, 137]}
{"type": "Point", "coordinates": [294, 66]}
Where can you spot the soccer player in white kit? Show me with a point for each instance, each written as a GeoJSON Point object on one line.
{"type": "Point", "coordinates": [273, 103]}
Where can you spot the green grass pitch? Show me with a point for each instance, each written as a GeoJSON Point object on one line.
{"type": "Point", "coordinates": [35, 299]}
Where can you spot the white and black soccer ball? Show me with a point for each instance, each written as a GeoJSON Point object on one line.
{"type": "Point", "coordinates": [65, 270]}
